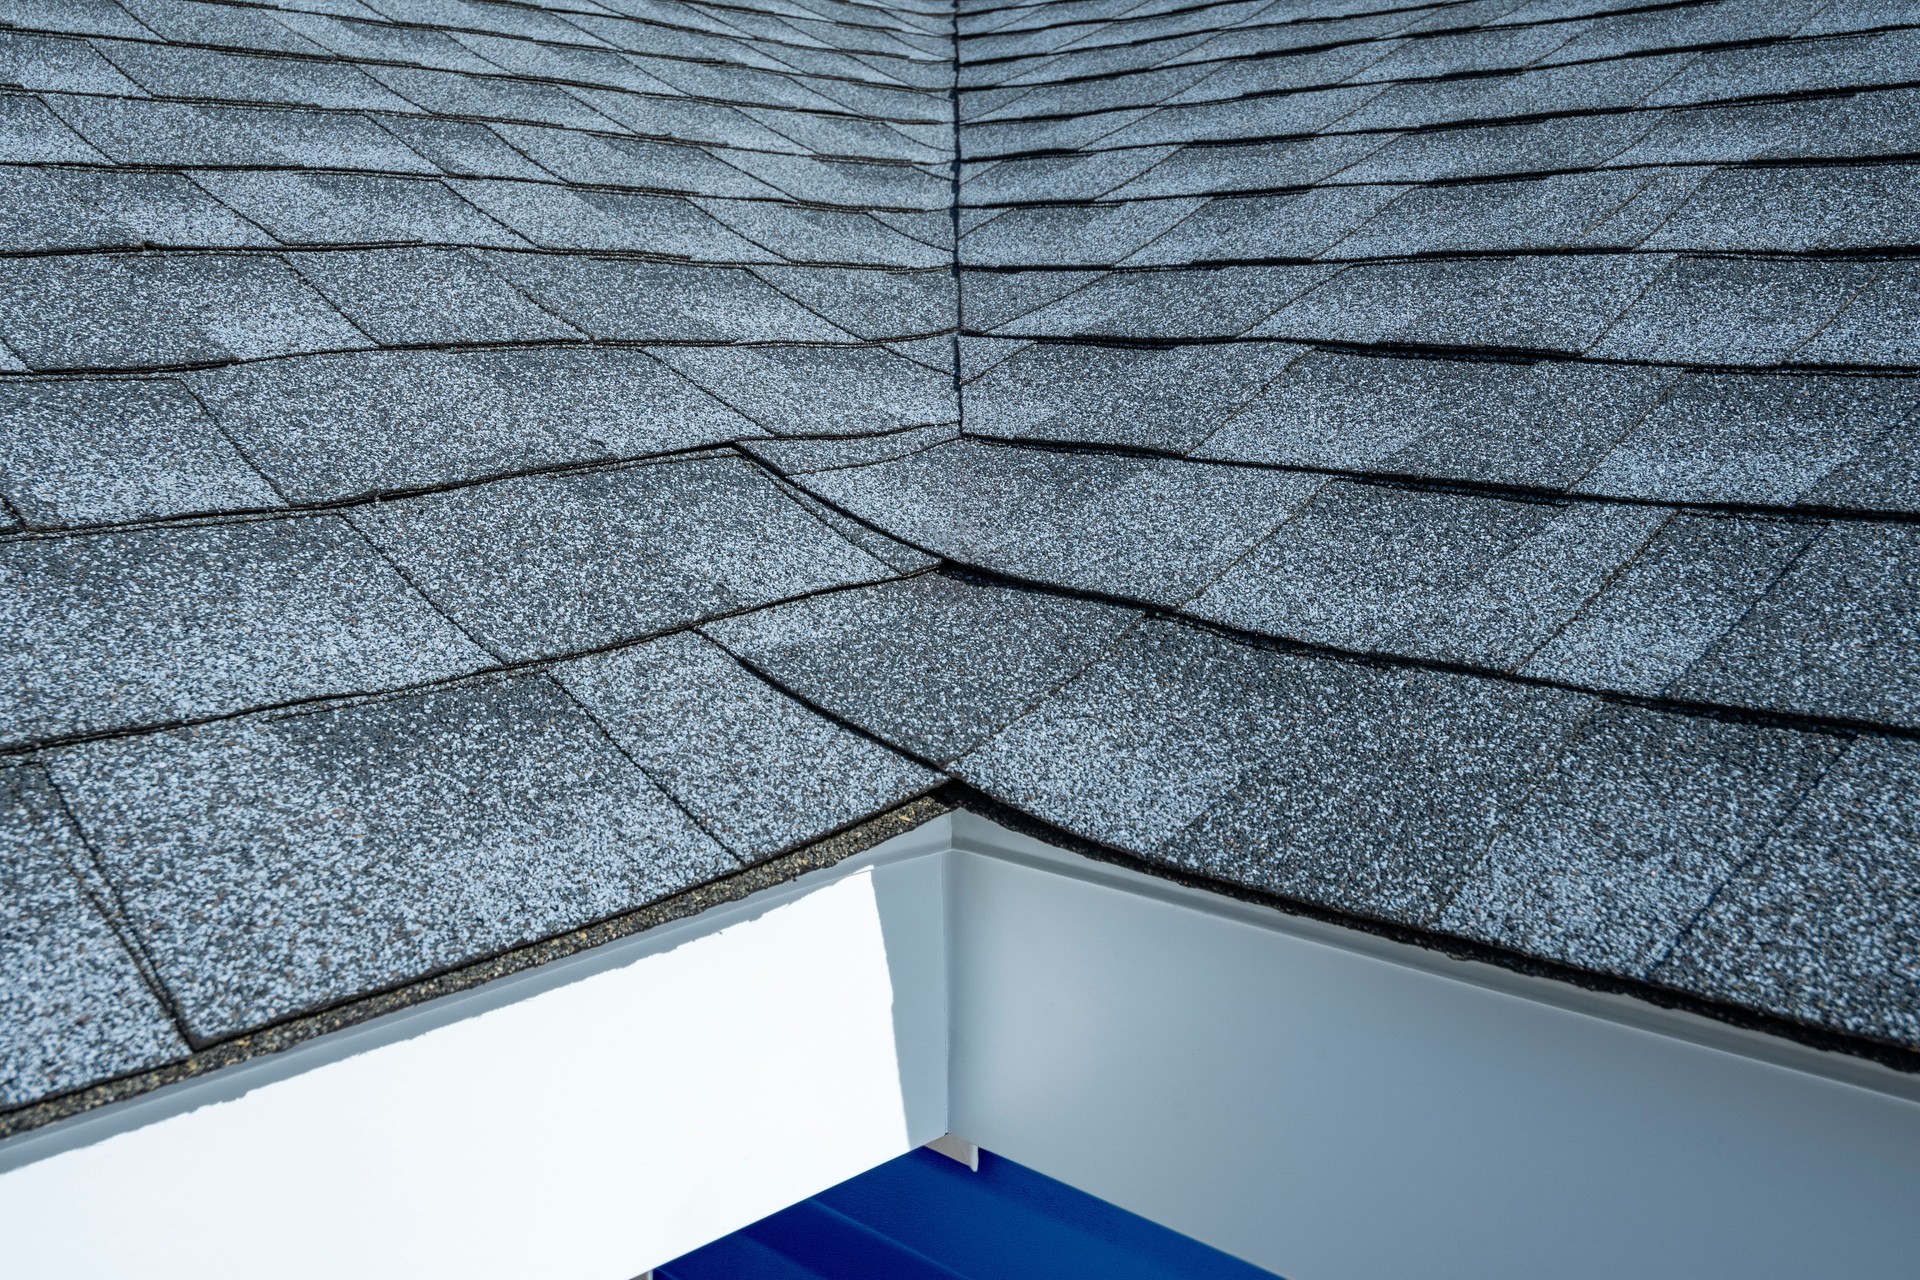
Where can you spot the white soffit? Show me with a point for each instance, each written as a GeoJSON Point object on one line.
{"type": "Point", "coordinates": [1323, 1103]}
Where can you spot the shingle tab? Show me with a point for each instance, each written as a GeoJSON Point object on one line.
{"type": "Point", "coordinates": [549, 565]}
{"type": "Point", "coordinates": [1824, 207]}
{"type": "Point", "coordinates": [934, 664]}
{"type": "Point", "coordinates": [353, 208]}
{"type": "Point", "coordinates": [1821, 926]}
{"type": "Point", "coordinates": [1140, 529]}
{"type": "Point", "coordinates": [1220, 302]}
{"type": "Point", "coordinates": [31, 134]}
{"type": "Point", "coordinates": [1742, 311]}
{"type": "Point", "coordinates": [1740, 438]}
{"type": "Point", "coordinates": [620, 298]}
{"type": "Point", "coordinates": [757, 769]}
{"type": "Point", "coordinates": [1557, 303]}
{"type": "Point", "coordinates": [1697, 577]}
{"type": "Point", "coordinates": [1170, 399]}
{"type": "Point", "coordinates": [98, 452]}
{"type": "Point", "coordinates": [1630, 835]}
{"type": "Point", "coordinates": [411, 296]}
{"type": "Point", "coordinates": [102, 209]}
{"type": "Point", "coordinates": [134, 311]}
{"type": "Point", "coordinates": [109, 631]}
{"type": "Point", "coordinates": [73, 1007]}
{"type": "Point", "coordinates": [344, 426]}
{"type": "Point", "coordinates": [1540, 424]}
{"type": "Point", "coordinates": [363, 846]}
{"type": "Point", "coordinates": [1881, 326]}
{"type": "Point", "coordinates": [135, 131]}
{"type": "Point", "coordinates": [1436, 575]}
{"type": "Point", "coordinates": [1839, 634]}
{"type": "Point", "coordinates": [819, 390]}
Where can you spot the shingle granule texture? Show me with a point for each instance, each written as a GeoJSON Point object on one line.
{"type": "Point", "coordinates": [468, 470]}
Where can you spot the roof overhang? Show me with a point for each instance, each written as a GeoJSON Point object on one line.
{"type": "Point", "coordinates": [1321, 1102]}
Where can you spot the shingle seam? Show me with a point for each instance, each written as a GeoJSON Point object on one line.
{"type": "Point", "coordinates": [1420, 482]}
{"type": "Point", "coordinates": [1760, 848]}
{"type": "Point", "coordinates": [300, 509]}
{"type": "Point", "coordinates": [202, 366]}
{"type": "Point", "coordinates": [113, 908]}
{"type": "Point", "coordinates": [324, 703]}
{"type": "Point", "coordinates": [1417, 350]}
{"type": "Point", "coordinates": [953, 222]}
{"type": "Point", "coordinates": [298, 1028]}
{"type": "Point", "coordinates": [761, 674]}
{"type": "Point", "coordinates": [1833, 317]}
{"type": "Point", "coordinates": [1446, 77]}
{"type": "Point", "coordinates": [659, 784]}
{"type": "Point", "coordinates": [245, 454]}
{"type": "Point", "coordinates": [1605, 585]}
{"type": "Point", "coordinates": [372, 116]}
{"type": "Point", "coordinates": [1466, 122]}
{"type": "Point", "coordinates": [1108, 200]}
{"type": "Point", "coordinates": [419, 589]}
{"type": "Point", "coordinates": [1754, 601]}
{"type": "Point", "coordinates": [969, 796]}
{"type": "Point", "coordinates": [1807, 722]}
{"type": "Point", "coordinates": [1253, 28]}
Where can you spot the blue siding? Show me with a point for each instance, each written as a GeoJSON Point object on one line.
{"type": "Point", "coordinates": [924, 1217]}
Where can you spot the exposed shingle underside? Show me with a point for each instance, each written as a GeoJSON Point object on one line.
{"type": "Point", "coordinates": [472, 468]}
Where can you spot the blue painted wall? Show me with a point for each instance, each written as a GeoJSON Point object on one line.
{"type": "Point", "coordinates": [925, 1217]}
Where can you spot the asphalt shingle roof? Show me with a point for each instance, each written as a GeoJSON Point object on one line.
{"type": "Point", "coordinates": [472, 469]}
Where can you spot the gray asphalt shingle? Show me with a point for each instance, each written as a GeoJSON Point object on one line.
{"type": "Point", "coordinates": [140, 310]}
{"type": "Point", "coordinates": [819, 390]}
{"type": "Point", "coordinates": [73, 1005]}
{"type": "Point", "coordinates": [933, 664]}
{"type": "Point", "coordinates": [1741, 438]}
{"type": "Point", "coordinates": [1839, 634]}
{"type": "Point", "coordinates": [1141, 529]}
{"type": "Point", "coordinates": [334, 427]}
{"type": "Point", "coordinates": [103, 209]}
{"type": "Point", "coordinates": [1446, 337]}
{"type": "Point", "coordinates": [97, 452]}
{"type": "Point", "coordinates": [755, 768]}
{"type": "Point", "coordinates": [439, 828]}
{"type": "Point", "coordinates": [1821, 926]}
{"type": "Point", "coordinates": [109, 631]}
{"type": "Point", "coordinates": [411, 296]}
{"type": "Point", "coordinates": [1434, 575]}
{"type": "Point", "coordinates": [1739, 311]}
{"type": "Point", "coordinates": [1170, 399]}
{"type": "Point", "coordinates": [1540, 424]}
{"type": "Point", "coordinates": [355, 208]}
{"type": "Point", "coordinates": [620, 298]}
{"type": "Point", "coordinates": [1558, 303]}
{"type": "Point", "coordinates": [1697, 577]}
{"type": "Point", "coordinates": [1630, 835]}
{"type": "Point", "coordinates": [547, 565]}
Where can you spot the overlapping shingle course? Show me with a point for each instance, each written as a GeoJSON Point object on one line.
{"type": "Point", "coordinates": [474, 467]}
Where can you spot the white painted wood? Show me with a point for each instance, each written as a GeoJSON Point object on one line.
{"type": "Point", "coordinates": [1321, 1102]}
{"type": "Point", "coordinates": [959, 1150]}
{"type": "Point", "coordinates": [1332, 1106]}
{"type": "Point", "coordinates": [585, 1122]}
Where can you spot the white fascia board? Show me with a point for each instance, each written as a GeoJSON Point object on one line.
{"type": "Point", "coordinates": [585, 1120]}
{"type": "Point", "coordinates": [1324, 1103]}
{"type": "Point", "coordinates": [1336, 1106]}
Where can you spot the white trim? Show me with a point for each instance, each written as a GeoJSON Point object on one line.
{"type": "Point", "coordinates": [1322, 1102]}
